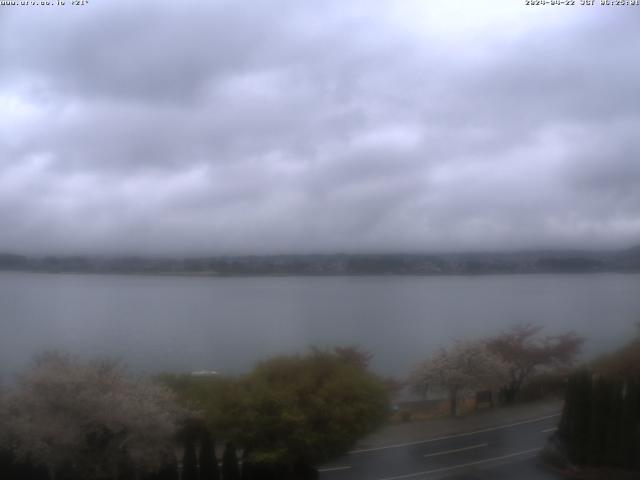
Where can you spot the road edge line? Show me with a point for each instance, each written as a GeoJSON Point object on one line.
{"type": "Point", "coordinates": [455, 435]}
{"type": "Point", "coordinates": [462, 465]}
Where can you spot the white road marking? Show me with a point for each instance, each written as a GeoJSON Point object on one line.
{"type": "Point", "coordinates": [334, 469]}
{"type": "Point", "coordinates": [550, 430]}
{"type": "Point", "coordinates": [456, 450]}
{"type": "Point", "coordinates": [462, 465]}
{"type": "Point", "coordinates": [457, 435]}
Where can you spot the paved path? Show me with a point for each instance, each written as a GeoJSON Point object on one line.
{"type": "Point", "coordinates": [478, 447]}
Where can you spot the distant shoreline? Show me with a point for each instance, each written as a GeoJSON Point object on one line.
{"type": "Point", "coordinates": [343, 265]}
{"type": "Point", "coordinates": [318, 275]}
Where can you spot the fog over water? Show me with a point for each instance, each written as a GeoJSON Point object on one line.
{"type": "Point", "coordinates": [226, 324]}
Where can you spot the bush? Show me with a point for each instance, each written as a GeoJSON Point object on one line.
{"type": "Point", "coordinates": [304, 409]}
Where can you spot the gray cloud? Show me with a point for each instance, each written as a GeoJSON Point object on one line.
{"type": "Point", "coordinates": [180, 127]}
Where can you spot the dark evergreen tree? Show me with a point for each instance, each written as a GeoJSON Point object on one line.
{"type": "Point", "coordinates": [304, 471]}
{"type": "Point", "coordinates": [256, 471]}
{"type": "Point", "coordinates": [26, 470]}
{"type": "Point", "coordinates": [189, 462]}
{"type": "Point", "coordinates": [230, 470]}
{"type": "Point", "coordinates": [630, 425]}
{"type": "Point", "coordinates": [6, 464]}
{"type": "Point", "coordinates": [207, 458]}
{"type": "Point", "coordinates": [261, 471]}
{"type": "Point", "coordinates": [574, 424]}
{"type": "Point", "coordinates": [247, 471]}
{"type": "Point", "coordinates": [608, 434]}
{"type": "Point", "coordinates": [169, 471]}
{"type": "Point", "coordinates": [614, 425]}
{"type": "Point", "coordinates": [564, 425]}
{"type": "Point", "coordinates": [602, 396]}
{"type": "Point", "coordinates": [39, 472]}
{"type": "Point", "coordinates": [126, 468]}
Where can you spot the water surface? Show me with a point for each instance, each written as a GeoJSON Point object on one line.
{"type": "Point", "coordinates": [226, 324]}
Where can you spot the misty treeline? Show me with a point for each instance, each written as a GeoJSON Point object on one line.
{"type": "Point", "coordinates": [336, 264]}
{"type": "Point", "coordinates": [68, 419]}
{"type": "Point", "coordinates": [502, 364]}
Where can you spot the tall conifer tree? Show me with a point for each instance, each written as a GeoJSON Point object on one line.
{"type": "Point", "coordinates": [189, 462]}
{"type": "Point", "coordinates": [230, 470]}
{"type": "Point", "coordinates": [207, 458]}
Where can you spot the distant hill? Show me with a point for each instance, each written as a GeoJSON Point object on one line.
{"type": "Point", "coordinates": [338, 264]}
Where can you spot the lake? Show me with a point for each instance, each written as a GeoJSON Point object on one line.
{"type": "Point", "coordinates": [226, 324]}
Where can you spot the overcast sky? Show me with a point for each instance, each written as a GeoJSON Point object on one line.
{"type": "Point", "coordinates": [294, 126]}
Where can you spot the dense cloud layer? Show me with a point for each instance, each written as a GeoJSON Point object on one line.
{"type": "Point", "coordinates": [269, 126]}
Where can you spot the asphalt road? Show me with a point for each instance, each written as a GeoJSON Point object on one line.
{"type": "Point", "coordinates": [496, 453]}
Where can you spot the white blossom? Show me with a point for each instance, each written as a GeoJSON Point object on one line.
{"type": "Point", "coordinates": [463, 369]}
{"type": "Point", "coordinates": [66, 412]}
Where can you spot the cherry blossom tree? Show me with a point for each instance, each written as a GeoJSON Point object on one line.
{"type": "Point", "coordinates": [526, 352]}
{"type": "Point", "coordinates": [466, 367]}
{"type": "Point", "coordinates": [89, 417]}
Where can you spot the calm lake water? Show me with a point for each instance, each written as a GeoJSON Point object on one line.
{"type": "Point", "coordinates": [226, 324]}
